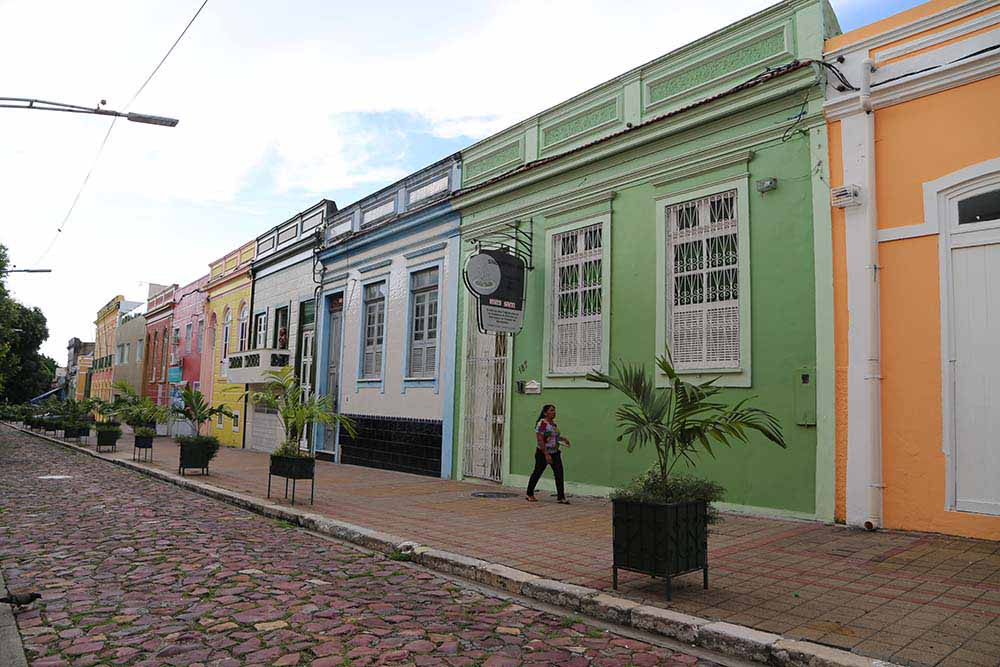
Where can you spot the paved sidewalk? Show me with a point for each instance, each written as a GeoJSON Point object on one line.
{"type": "Point", "coordinates": [134, 572]}
{"type": "Point", "coordinates": [914, 599]}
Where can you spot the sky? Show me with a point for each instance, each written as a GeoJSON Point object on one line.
{"type": "Point", "coordinates": [280, 104]}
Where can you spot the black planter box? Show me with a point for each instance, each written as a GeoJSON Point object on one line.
{"type": "Point", "coordinates": [293, 468]}
{"type": "Point", "coordinates": [142, 445]}
{"type": "Point", "coordinates": [143, 442]}
{"type": "Point", "coordinates": [107, 439]}
{"type": "Point", "coordinates": [660, 540]}
{"type": "Point", "coordinates": [194, 455]}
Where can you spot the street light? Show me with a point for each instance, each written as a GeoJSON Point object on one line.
{"type": "Point", "coordinates": [6, 271]}
{"type": "Point", "coordinates": [42, 105]}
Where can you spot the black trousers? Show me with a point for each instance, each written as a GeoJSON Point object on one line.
{"type": "Point", "coordinates": [557, 471]}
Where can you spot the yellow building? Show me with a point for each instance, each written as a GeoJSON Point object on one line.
{"type": "Point", "coordinates": [104, 345]}
{"type": "Point", "coordinates": [227, 313]}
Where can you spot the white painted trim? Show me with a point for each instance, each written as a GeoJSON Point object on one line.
{"type": "Point", "coordinates": [552, 379]}
{"type": "Point", "coordinates": [945, 77]}
{"type": "Point", "coordinates": [860, 409]}
{"type": "Point", "coordinates": [940, 203]}
{"type": "Point", "coordinates": [907, 232]}
{"type": "Point", "coordinates": [898, 33]}
{"type": "Point", "coordinates": [906, 48]}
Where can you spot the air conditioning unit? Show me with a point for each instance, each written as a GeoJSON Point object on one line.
{"type": "Point", "coordinates": [845, 196]}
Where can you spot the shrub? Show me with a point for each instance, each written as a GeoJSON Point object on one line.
{"type": "Point", "coordinates": [210, 443]}
{"type": "Point", "coordinates": [143, 432]}
{"type": "Point", "coordinates": [651, 488]}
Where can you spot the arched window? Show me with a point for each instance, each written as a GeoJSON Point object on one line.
{"type": "Point", "coordinates": [152, 357]}
{"type": "Point", "coordinates": [227, 322]}
{"type": "Point", "coordinates": [244, 324]}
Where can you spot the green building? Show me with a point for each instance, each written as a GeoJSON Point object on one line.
{"type": "Point", "coordinates": [684, 201]}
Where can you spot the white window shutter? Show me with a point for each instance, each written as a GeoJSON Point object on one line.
{"type": "Point", "coordinates": [702, 282]}
{"type": "Point", "coordinates": [576, 298]}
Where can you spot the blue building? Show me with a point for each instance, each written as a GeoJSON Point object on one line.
{"type": "Point", "coordinates": [389, 270]}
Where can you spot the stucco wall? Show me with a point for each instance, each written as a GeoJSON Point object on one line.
{"type": "Point", "coordinates": [288, 287]}
{"type": "Point", "coordinates": [233, 295]}
{"type": "Point", "coordinates": [131, 332]}
{"type": "Point", "coordinates": [782, 289]}
{"type": "Point", "coordinates": [392, 395]}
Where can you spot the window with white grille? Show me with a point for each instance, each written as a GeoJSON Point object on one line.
{"type": "Point", "coordinates": [702, 288]}
{"type": "Point", "coordinates": [188, 331]}
{"type": "Point", "coordinates": [424, 324]}
{"type": "Point", "coordinates": [374, 331]}
{"type": "Point", "coordinates": [260, 331]}
{"type": "Point", "coordinates": [244, 327]}
{"type": "Point", "coordinates": [576, 300]}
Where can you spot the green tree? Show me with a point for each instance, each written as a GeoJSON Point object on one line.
{"type": "Point", "coordinates": [24, 372]}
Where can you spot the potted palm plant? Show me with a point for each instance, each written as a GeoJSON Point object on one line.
{"type": "Point", "coordinates": [143, 414]}
{"type": "Point", "coordinates": [297, 411]}
{"type": "Point", "coordinates": [660, 521]}
{"type": "Point", "coordinates": [197, 450]}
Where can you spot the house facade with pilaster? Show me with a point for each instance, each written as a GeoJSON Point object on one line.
{"type": "Point", "coordinates": [682, 205]}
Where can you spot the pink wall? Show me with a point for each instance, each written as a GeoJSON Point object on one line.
{"type": "Point", "coordinates": [189, 308]}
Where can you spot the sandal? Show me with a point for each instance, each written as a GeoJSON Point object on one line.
{"type": "Point", "coordinates": [531, 499]}
{"type": "Point", "coordinates": [563, 501]}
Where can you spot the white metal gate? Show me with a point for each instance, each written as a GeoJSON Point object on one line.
{"type": "Point", "coordinates": [485, 403]}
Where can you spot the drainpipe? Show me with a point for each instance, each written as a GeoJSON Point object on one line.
{"type": "Point", "coordinates": [873, 374]}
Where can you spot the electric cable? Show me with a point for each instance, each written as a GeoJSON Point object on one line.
{"type": "Point", "coordinates": [980, 52]}
{"type": "Point", "coordinates": [107, 135]}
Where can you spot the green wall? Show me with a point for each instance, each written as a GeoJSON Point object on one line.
{"type": "Point", "coordinates": [782, 309]}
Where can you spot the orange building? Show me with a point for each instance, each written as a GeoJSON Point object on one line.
{"type": "Point", "coordinates": [915, 183]}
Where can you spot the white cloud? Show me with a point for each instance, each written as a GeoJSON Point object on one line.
{"type": "Point", "coordinates": [272, 100]}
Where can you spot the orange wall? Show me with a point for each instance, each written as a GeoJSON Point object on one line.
{"type": "Point", "coordinates": [840, 323]}
{"type": "Point", "coordinates": [920, 141]}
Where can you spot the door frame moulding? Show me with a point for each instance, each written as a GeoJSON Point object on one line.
{"type": "Point", "coordinates": [940, 204]}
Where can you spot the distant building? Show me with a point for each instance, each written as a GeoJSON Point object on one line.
{"type": "Point", "coordinates": [102, 374]}
{"type": "Point", "coordinates": [161, 338]}
{"type": "Point", "coordinates": [130, 336]}
{"type": "Point", "coordinates": [76, 349]}
{"type": "Point", "coordinates": [189, 323]}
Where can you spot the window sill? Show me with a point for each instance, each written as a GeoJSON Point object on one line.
{"type": "Point", "coordinates": [571, 380]}
{"type": "Point", "coordinates": [369, 380]}
{"type": "Point", "coordinates": [726, 377]}
{"type": "Point", "coordinates": [420, 382]}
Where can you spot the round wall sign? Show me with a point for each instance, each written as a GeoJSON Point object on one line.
{"type": "Point", "coordinates": [483, 274]}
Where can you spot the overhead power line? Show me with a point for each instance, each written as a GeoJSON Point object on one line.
{"type": "Point", "coordinates": [107, 135]}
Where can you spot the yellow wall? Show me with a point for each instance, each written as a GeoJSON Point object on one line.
{"type": "Point", "coordinates": [233, 294]}
{"type": "Point", "coordinates": [915, 142]}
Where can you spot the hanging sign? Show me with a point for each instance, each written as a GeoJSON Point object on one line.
{"type": "Point", "coordinates": [496, 278]}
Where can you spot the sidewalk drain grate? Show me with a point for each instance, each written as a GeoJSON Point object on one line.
{"type": "Point", "coordinates": [493, 494]}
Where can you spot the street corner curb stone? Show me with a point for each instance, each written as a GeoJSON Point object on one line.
{"type": "Point", "coordinates": [667, 622]}
{"type": "Point", "coordinates": [610, 608]}
{"type": "Point", "coordinates": [505, 578]}
{"type": "Point", "coordinates": [558, 593]}
{"type": "Point", "coordinates": [794, 653]}
{"type": "Point", "coordinates": [737, 640]}
{"type": "Point", "coordinates": [450, 563]}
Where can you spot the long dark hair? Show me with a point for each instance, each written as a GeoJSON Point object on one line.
{"type": "Point", "coordinates": [545, 408]}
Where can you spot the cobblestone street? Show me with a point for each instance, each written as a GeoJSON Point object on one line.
{"type": "Point", "coordinates": [137, 572]}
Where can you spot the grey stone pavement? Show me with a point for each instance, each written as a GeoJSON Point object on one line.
{"type": "Point", "coordinates": [134, 571]}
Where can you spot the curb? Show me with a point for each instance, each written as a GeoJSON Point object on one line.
{"type": "Point", "coordinates": [726, 638]}
{"type": "Point", "coordinates": [11, 648]}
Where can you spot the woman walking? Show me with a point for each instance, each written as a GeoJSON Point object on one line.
{"type": "Point", "coordinates": [547, 453]}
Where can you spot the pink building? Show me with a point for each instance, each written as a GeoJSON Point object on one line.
{"type": "Point", "coordinates": [189, 336]}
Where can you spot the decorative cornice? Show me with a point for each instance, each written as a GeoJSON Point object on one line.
{"type": "Point", "coordinates": [426, 251]}
{"type": "Point", "coordinates": [944, 35]}
{"type": "Point", "coordinates": [941, 78]}
{"type": "Point", "coordinates": [373, 267]}
{"type": "Point", "coordinates": [943, 17]}
{"type": "Point", "coordinates": [695, 118]}
{"type": "Point", "coordinates": [581, 203]}
{"type": "Point", "coordinates": [701, 167]}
